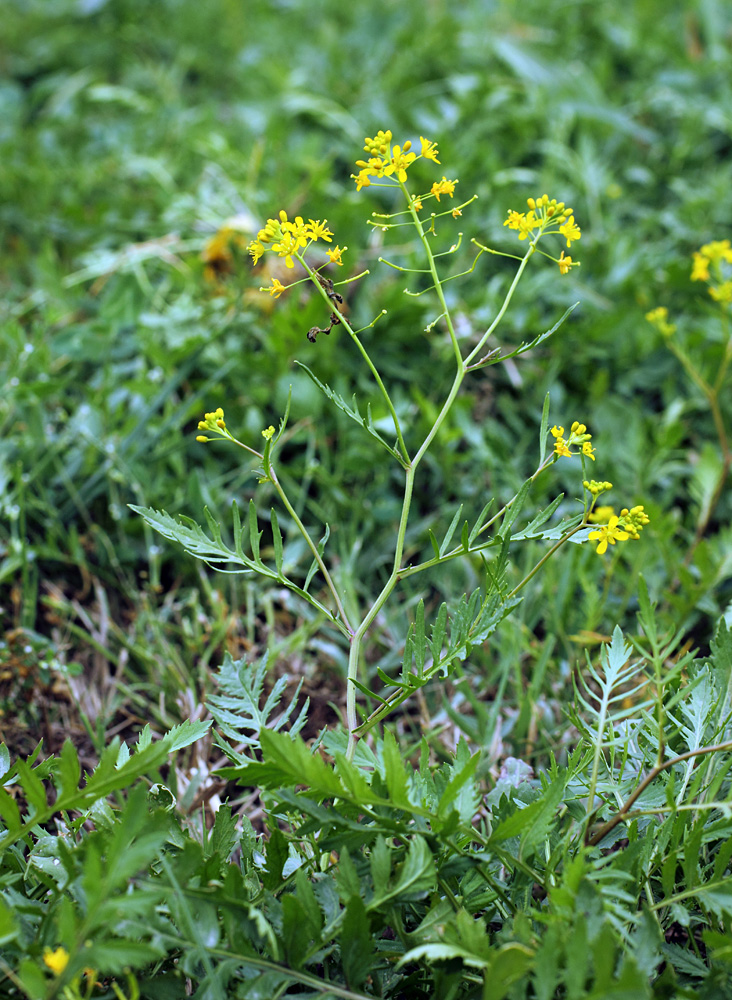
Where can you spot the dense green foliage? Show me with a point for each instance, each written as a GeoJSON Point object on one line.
{"type": "Point", "coordinates": [479, 847]}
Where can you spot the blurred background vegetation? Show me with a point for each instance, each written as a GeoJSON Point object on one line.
{"type": "Point", "coordinates": [132, 131]}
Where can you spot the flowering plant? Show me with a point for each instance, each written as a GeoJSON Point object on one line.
{"type": "Point", "coordinates": [488, 534]}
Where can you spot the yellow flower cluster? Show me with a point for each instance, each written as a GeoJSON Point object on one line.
{"type": "Point", "coordinates": [286, 238]}
{"type": "Point", "coordinates": [659, 318]}
{"type": "Point", "coordinates": [578, 437]}
{"type": "Point", "coordinates": [547, 216]}
{"type": "Point", "coordinates": [708, 261]}
{"type": "Point", "coordinates": [385, 160]}
{"type": "Point", "coordinates": [629, 524]}
{"type": "Point", "coordinates": [596, 487]}
{"type": "Point", "coordinates": [214, 423]}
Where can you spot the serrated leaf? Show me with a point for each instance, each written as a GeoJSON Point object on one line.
{"type": "Point", "coordinates": [356, 943]}
{"type": "Point", "coordinates": [69, 768]}
{"type": "Point", "coordinates": [351, 411]}
{"type": "Point", "coordinates": [191, 536]}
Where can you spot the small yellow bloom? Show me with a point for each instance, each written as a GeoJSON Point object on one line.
{"type": "Point", "coordinates": [578, 437]}
{"type": "Point", "coordinates": [56, 960]}
{"type": "Point", "coordinates": [658, 317]}
{"type": "Point", "coordinates": [362, 179]}
{"type": "Point", "coordinates": [443, 187]}
{"type": "Point", "coordinates": [429, 149]}
{"type": "Point", "coordinates": [700, 267]}
{"type": "Point", "coordinates": [608, 534]}
{"type": "Point", "coordinates": [276, 288]}
{"type": "Point", "coordinates": [717, 251]}
{"type": "Point", "coordinates": [256, 249]}
{"type": "Point", "coordinates": [601, 514]}
{"type": "Point", "coordinates": [401, 160]}
{"type": "Point", "coordinates": [268, 433]}
{"type": "Point", "coordinates": [316, 230]}
{"type": "Point", "coordinates": [566, 263]}
{"type": "Point", "coordinates": [570, 230]}
{"type": "Point", "coordinates": [417, 204]}
{"type": "Point", "coordinates": [722, 293]}
{"type": "Point", "coordinates": [456, 213]}
{"type": "Point", "coordinates": [335, 255]}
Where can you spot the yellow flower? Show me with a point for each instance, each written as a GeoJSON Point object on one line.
{"type": "Point", "coordinates": [608, 534]}
{"type": "Point", "coordinates": [268, 433]}
{"type": "Point", "coordinates": [443, 187]}
{"type": "Point", "coordinates": [602, 514]}
{"type": "Point", "coordinates": [566, 263]}
{"type": "Point", "coordinates": [717, 251]}
{"type": "Point", "coordinates": [214, 422]}
{"type": "Point", "coordinates": [456, 213]}
{"type": "Point", "coordinates": [429, 149]}
{"type": "Point", "coordinates": [286, 248]}
{"type": "Point", "coordinates": [560, 445]}
{"type": "Point", "coordinates": [335, 255]}
{"type": "Point", "coordinates": [658, 317]}
{"type": "Point", "coordinates": [578, 437]}
{"type": "Point", "coordinates": [56, 960]}
{"type": "Point", "coordinates": [362, 179]}
{"type": "Point", "coordinates": [700, 267]}
{"type": "Point", "coordinates": [276, 288]}
{"type": "Point", "coordinates": [570, 230]}
{"type": "Point", "coordinates": [401, 160]}
{"type": "Point", "coordinates": [316, 230]}
{"type": "Point", "coordinates": [256, 250]}
{"type": "Point", "coordinates": [722, 293]}
{"type": "Point", "coordinates": [417, 204]}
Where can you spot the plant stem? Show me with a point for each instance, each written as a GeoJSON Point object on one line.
{"type": "Point", "coordinates": [364, 353]}
{"type": "Point", "coordinates": [610, 825]}
{"type": "Point", "coordinates": [311, 545]}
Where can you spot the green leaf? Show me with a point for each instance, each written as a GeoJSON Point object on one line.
{"type": "Point", "coordinates": [544, 429]}
{"type": "Point", "coordinates": [514, 510]}
{"type": "Point", "coordinates": [450, 531]}
{"type": "Point", "coordinates": [357, 944]}
{"type": "Point", "coordinates": [532, 823]}
{"type": "Point", "coordinates": [414, 879]}
{"type": "Point", "coordinates": [191, 536]}
{"type": "Point", "coordinates": [69, 768]}
{"type": "Point", "coordinates": [351, 411]}
{"type": "Point", "coordinates": [276, 541]}
{"type": "Point", "coordinates": [420, 642]}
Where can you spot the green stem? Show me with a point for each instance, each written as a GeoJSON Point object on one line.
{"type": "Point", "coordinates": [311, 545]}
{"type": "Point", "coordinates": [365, 355]}
{"type": "Point", "coordinates": [509, 295]}
{"type": "Point", "coordinates": [462, 367]}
